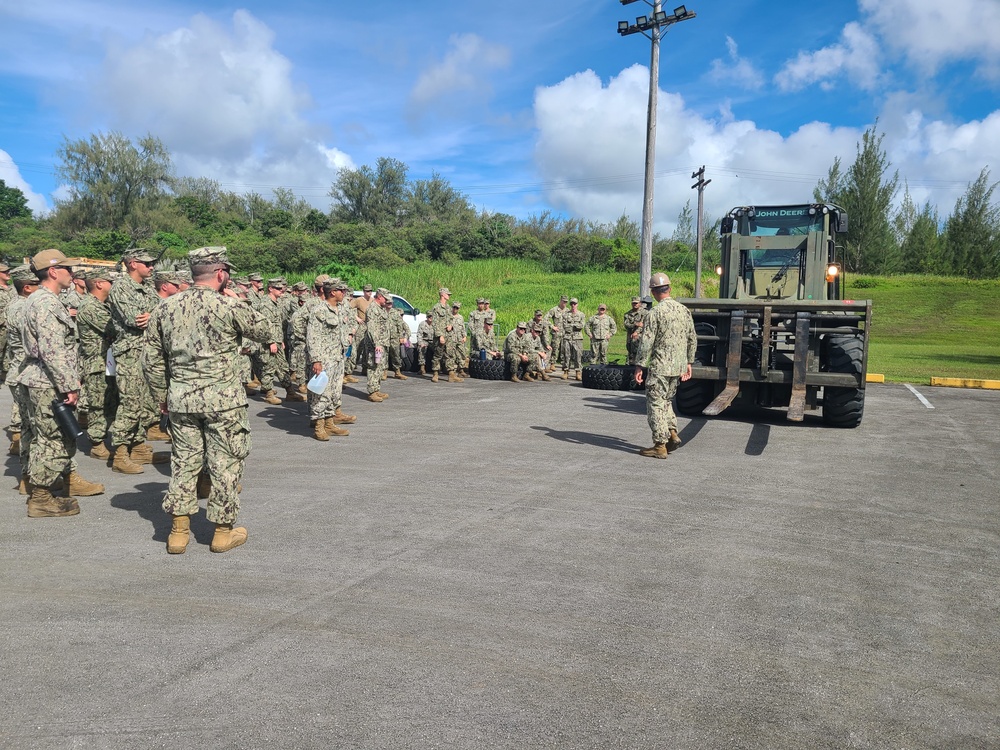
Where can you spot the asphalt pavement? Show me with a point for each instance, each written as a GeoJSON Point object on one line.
{"type": "Point", "coordinates": [492, 565]}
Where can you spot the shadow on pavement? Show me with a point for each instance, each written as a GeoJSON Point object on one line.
{"type": "Point", "coordinates": [632, 404]}
{"type": "Point", "coordinates": [146, 501]}
{"type": "Point", "coordinates": [588, 438]}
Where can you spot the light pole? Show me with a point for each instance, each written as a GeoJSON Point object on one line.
{"type": "Point", "coordinates": [656, 26]}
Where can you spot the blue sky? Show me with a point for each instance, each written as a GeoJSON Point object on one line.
{"type": "Point", "coordinates": [523, 106]}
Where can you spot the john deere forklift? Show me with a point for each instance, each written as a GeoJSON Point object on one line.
{"type": "Point", "coordinates": [780, 334]}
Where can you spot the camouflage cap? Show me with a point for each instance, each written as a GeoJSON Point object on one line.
{"type": "Point", "coordinates": [332, 285]}
{"type": "Point", "coordinates": [636, 299]}
{"type": "Point", "coordinates": [564, 298]}
{"type": "Point", "coordinates": [481, 301]}
{"type": "Point", "coordinates": [140, 254]}
{"type": "Point", "coordinates": [538, 328]}
{"type": "Point", "coordinates": [487, 322]}
{"type": "Point", "coordinates": [455, 305]}
{"type": "Point", "coordinates": [278, 282]}
{"type": "Point", "coordinates": [486, 301]}
{"type": "Point", "coordinates": [207, 256]}
{"type": "Point", "coordinates": [242, 281]}
{"type": "Point", "coordinates": [4, 268]}
{"type": "Point", "coordinates": [574, 301]}
{"type": "Point", "coordinates": [522, 324]}
{"type": "Point", "coordinates": [254, 277]}
{"type": "Point", "coordinates": [444, 291]}
{"type": "Point", "coordinates": [50, 259]}
{"type": "Point", "coordinates": [300, 286]}
{"type": "Point", "coordinates": [602, 306]}
{"type": "Point", "coordinates": [79, 273]}
{"type": "Point", "coordinates": [98, 274]}
{"type": "Point", "coordinates": [321, 279]}
{"type": "Point", "coordinates": [167, 277]}
{"type": "Point", "coordinates": [538, 312]}
{"type": "Point", "coordinates": [382, 292]}
{"type": "Point", "coordinates": [366, 288]}
{"type": "Point", "coordinates": [23, 273]}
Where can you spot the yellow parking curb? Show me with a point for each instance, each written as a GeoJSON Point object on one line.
{"type": "Point", "coordinates": [993, 385]}
{"type": "Point", "coordinates": [874, 378]}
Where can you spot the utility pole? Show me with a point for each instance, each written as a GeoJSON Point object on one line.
{"type": "Point", "coordinates": [652, 24]}
{"type": "Point", "coordinates": [700, 187]}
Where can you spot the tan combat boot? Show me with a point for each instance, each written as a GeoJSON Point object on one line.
{"type": "Point", "coordinates": [544, 377]}
{"type": "Point", "coordinates": [141, 453]}
{"type": "Point", "coordinates": [294, 377]}
{"type": "Point", "coordinates": [434, 376]}
{"type": "Point", "coordinates": [100, 450]}
{"type": "Point", "coordinates": [226, 537]}
{"type": "Point", "coordinates": [514, 378]}
{"type": "Point", "coordinates": [24, 486]}
{"type": "Point", "coordinates": [332, 430]}
{"type": "Point", "coordinates": [254, 384]}
{"type": "Point", "coordinates": [530, 377]}
{"type": "Point", "coordinates": [82, 488]}
{"type": "Point", "coordinates": [674, 441]}
{"type": "Point", "coordinates": [453, 377]}
{"type": "Point", "coordinates": [303, 389]}
{"type": "Point", "coordinates": [319, 430]}
{"type": "Point", "coordinates": [42, 504]}
{"type": "Point", "coordinates": [155, 433]}
{"type": "Point", "coordinates": [123, 464]}
{"type": "Point", "coordinates": [180, 535]}
{"type": "Point", "coordinates": [376, 397]}
{"type": "Point", "coordinates": [271, 398]}
{"type": "Point", "coordinates": [293, 395]}
{"type": "Point", "coordinates": [204, 486]}
{"type": "Point", "coordinates": [15, 444]}
{"type": "Point", "coordinates": [565, 375]}
{"type": "Point", "coordinates": [351, 379]}
{"type": "Point", "coordinates": [423, 369]}
{"type": "Point", "coordinates": [400, 375]}
{"type": "Point", "coordinates": [659, 450]}
{"type": "Point", "coordinates": [340, 418]}
{"type": "Point", "coordinates": [579, 374]}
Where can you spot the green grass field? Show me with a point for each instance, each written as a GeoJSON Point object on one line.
{"type": "Point", "coordinates": [922, 326]}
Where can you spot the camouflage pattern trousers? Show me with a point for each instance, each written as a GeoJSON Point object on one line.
{"type": "Point", "coordinates": [572, 354]}
{"type": "Point", "coordinates": [19, 423]}
{"type": "Point", "coordinates": [50, 454]}
{"type": "Point", "coordinates": [632, 348]}
{"type": "Point", "coordinates": [136, 410]}
{"type": "Point", "coordinates": [439, 357]}
{"type": "Point", "coordinates": [275, 371]}
{"type": "Point", "coordinates": [297, 361]}
{"type": "Point", "coordinates": [15, 410]}
{"type": "Point", "coordinates": [557, 348]}
{"type": "Point", "coordinates": [219, 442]}
{"type": "Point", "coordinates": [660, 390]}
{"type": "Point", "coordinates": [376, 370]}
{"type": "Point", "coordinates": [101, 404]}
{"type": "Point", "coordinates": [359, 351]}
{"type": "Point", "coordinates": [326, 404]}
{"type": "Point", "coordinates": [395, 357]}
{"type": "Point", "coordinates": [600, 351]}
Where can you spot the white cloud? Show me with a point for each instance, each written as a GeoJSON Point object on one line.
{"type": "Point", "coordinates": [591, 144]}
{"type": "Point", "coordinates": [930, 33]}
{"type": "Point", "coordinates": [856, 55]}
{"type": "Point", "coordinates": [224, 102]}
{"type": "Point", "coordinates": [463, 71]}
{"type": "Point", "coordinates": [738, 71]}
{"type": "Point", "coordinates": [11, 175]}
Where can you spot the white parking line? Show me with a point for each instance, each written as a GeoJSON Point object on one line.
{"type": "Point", "coordinates": [920, 396]}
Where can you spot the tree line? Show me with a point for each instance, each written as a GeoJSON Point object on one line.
{"type": "Point", "coordinates": [124, 193]}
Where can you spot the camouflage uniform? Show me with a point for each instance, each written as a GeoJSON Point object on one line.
{"type": "Point", "coordinates": [425, 342]}
{"type": "Point", "coordinates": [514, 346]}
{"type": "Point", "coordinates": [93, 322]}
{"type": "Point", "coordinates": [359, 353]}
{"type": "Point", "coordinates": [379, 331]}
{"type": "Point", "coordinates": [399, 331]}
{"type": "Point", "coordinates": [6, 298]}
{"type": "Point", "coordinates": [275, 367]}
{"type": "Point", "coordinates": [47, 373]}
{"type": "Point", "coordinates": [484, 340]}
{"type": "Point", "coordinates": [456, 348]}
{"type": "Point", "coordinates": [634, 321]}
{"type": "Point", "coordinates": [554, 318]}
{"type": "Point", "coordinates": [191, 363]}
{"type": "Point", "coordinates": [572, 346]}
{"type": "Point", "coordinates": [12, 363]}
{"type": "Point", "coordinates": [297, 326]}
{"type": "Point", "coordinates": [477, 318]}
{"type": "Point", "coordinates": [600, 329]}
{"type": "Point", "coordinates": [440, 320]}
{"type": "Point", "coordinates": [327, 338]}
{"type": "Point", "coordinates": [667, 346]}
{"type": "Point", "coordinates": [136, 409]}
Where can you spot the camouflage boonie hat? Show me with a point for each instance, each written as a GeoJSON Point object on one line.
{"type": "Point", "coordinates": [140, 254]}
{"type": "Point", "coordinates": [254, 277]}
{"type": "Point", "coordinates": [23, 273]}
{"type": "Point", "coordinates": [207, 256]}
{"type": "Point", "coordinates": [278, 282]}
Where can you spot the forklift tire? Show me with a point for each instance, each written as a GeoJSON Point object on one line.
{"type": "Point", "coordinates": [843, 407]}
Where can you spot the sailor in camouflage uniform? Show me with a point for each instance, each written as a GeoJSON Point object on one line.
{"type": "Point", "coordinates": [132, 300]}
{"type": "Point", "coordinates": [327, 338]}
{"type": "Point", "coordinates": [49, 374]}
{"type": "Point", "coordinates": [573, 322]}
{"type": "Point", "coordinates": [486, 340]}
{"type": "Point", "coordinates": [456, 348]}
{"type": "Point", "coordinates": [379, 332]}
{"type": "Point", "coordinates": [440, 316]}
{"type": "Point", "coordinates": [275, 368]}
{"type": "Point", "coordinates": [25, 282]}
{"type": "Point", "coordinates": [554, 320]}
{"type": "Point", "coordinates": [634, 321]}
{"type": "Point", "coordinates": [425, 342]}
{"type": "Point", "coordinates": [667, 348]}
{"type": "Point", "coordinates": [600, 329]}
{"type": "Point", "coordinates": [194, 341]}
{"type": "Point", "coordinates": [93, 323]}
{"type": "Point", "coordinates": [400, 340]}
{"type": "Point", "coordinates": [519, 350]}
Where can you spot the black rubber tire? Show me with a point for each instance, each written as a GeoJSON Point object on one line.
{"type": "Point", "coordinates": [843, 407]}
{"type": "Point", "coordinates": [586, 357]}
{"type": "Point", "coordinates": [694, 395]}
{"type": "Point", "coordinates": [605, 377]}
{"type": "Point", "coordinates": [488, 369]}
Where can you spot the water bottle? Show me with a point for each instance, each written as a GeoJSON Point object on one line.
{"type": "Point", "coordinates": [66, 420]}
{"type": "Point", "coordinates": [349, 350]}
{"type": "Point", "coordinates": [482, 353]}
{"type": "Point", "coordinates": [317, 383]}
